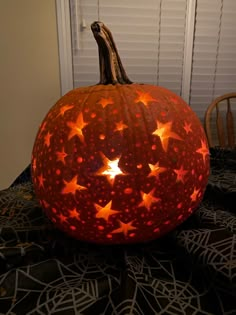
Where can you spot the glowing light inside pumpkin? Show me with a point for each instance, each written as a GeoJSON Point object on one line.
{"type": "Point", "coordinates": [110, 168]}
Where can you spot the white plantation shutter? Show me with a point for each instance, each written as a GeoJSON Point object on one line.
{"type": "Point", "coordinates": [214, 53]}
{"type": "Point", "coordinates": [150, 36]}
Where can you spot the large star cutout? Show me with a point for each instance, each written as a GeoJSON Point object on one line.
{"type": "Point", "coordinates": [106, 101]}
{"type": "Point", "coordinates": [61, 156]}
{"type": "Point", "coordinates": [203, 150]}
{"type": "Point", "coordinates": [181, 172]}
{"type": "Point", "coordinates": [156, 170]}
{"type": "Point", "coordinates": [164, 132]}
{"type": "Point", "coordinates": [124, 228]}
{"type": "Point", "coordinates": [109, 168]}
{"type": "Point", "coordinates": [76, 129]}
{"type": "Point", "coordinates": [148, 199]}
{"type": "Point", "coordinates": [144, 98]}
{"type": "Point", "coordinates": [72, 186]}
{"type": "Point", "coordinates": [105, 212]}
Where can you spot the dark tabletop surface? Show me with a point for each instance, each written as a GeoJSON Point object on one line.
{"type": "Point", "coordinates": [192, 270]}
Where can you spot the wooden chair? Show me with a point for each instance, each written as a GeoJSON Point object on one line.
{"type": "Point", "coordinates": [220, 131]}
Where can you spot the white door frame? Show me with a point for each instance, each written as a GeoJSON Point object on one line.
{"type": "Point", "coordinates": [65, 45]}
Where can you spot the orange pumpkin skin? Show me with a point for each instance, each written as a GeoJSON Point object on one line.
{"type": "Point", "coordinates": [121, 163]}
{"type": "Point", "coordinates": [161, 174]}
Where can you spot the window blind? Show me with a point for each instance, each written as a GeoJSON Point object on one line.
{"type": "Point", "coordinates": [214, 53]}
{"type": "Point", "coordinates": [149, 35]}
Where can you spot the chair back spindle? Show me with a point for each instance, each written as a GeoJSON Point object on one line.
{"type": "Point", "coordinates": [230, 125]}
{"type": "Point", "coordinates": [224, 123]}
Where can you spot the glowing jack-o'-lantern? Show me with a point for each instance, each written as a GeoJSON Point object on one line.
{"type": "Point", "coordinates": [119, 162]}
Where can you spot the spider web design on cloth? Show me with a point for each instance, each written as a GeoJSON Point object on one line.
{"type": "Point", "coordinates": [189, 271]}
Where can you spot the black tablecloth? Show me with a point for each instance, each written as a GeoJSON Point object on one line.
{"type": "Point", "coordinates": [192, 270]}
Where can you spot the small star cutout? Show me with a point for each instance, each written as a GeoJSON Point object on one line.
{"type": "Point", "coordinates": [203, 150]}
{"type": "Point", "coordinates": [156, 170]}
{"type": "Point", "coordinates": [194, 195]}
{"type": "Point", "coordinates": [148, 199]}
{"type": "Point", "coordinates": [61, 156]}
{"type": "Point", "coordinates": [180, 174]}
{"type": "Point", "coordinates": [187, 127]}
{"type": "Point", "coordinates": [106, 101]}
{"type": "Point", "coordinates": [144, 98]}
{"type": "Point", "coordinates": [47, 139]}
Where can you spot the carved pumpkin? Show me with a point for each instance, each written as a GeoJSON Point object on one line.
{"type": "Point", "coordinates": [119, 162]}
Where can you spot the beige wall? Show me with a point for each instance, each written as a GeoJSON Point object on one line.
{"type": "Point", "coordinates": [29, 78]}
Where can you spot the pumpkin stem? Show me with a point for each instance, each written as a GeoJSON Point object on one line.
{"type": "Point", "coordinates": [111, 68]}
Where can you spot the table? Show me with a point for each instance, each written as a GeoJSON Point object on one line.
{"type": "Point", "coordinates": [192, 270]}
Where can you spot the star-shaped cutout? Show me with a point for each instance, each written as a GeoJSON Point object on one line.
{"type": "Point", "coordinates": [72, 186]}
{"type": "Point", "coordinates": [47, 139]}
{"type": "Point", "coordinates": [61, 156]}
{"type": "Point", "coordinates": [144, 98]}
{"type": "Point", "coordinates": [120, 126]}
{"type": "Point", "coordinates": [64, 109]}
{"type": "Point", "coordinates": [105, 212]}
{"type": "Point", "coordinates": [181, 172]}
{"type": "Point", "coordinates": [34, 164]}
{"type": "Point", "coordinates": [187, 127]}
{"type": "Point", "coordinates": [156, 170]}
{"type": "Point", "coordinates": [106, 101]}
{"type": "Point", "coordinates": [76, 129]}
{"type": "Point", "coordinates": [124, 228]}
{"type": "Point", "coordinates": [164, 132]}
{"type": "Point", "coordinates": [41, 180]}
{"type": "Point", "coordinates": [194, 195]}
{"type": "Point", "coordinates": [110, 168]}
{"type": "Point", "coordinates": [42, 127]}
{"type": "Point", "coordinates": [148, 199]}
{"type": "Point", "coordinates": [74, 214]}
{"type": "Point", "coordinates": [203, 150]}
{"type": "Point", "coordinates": [62, 218]}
